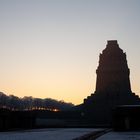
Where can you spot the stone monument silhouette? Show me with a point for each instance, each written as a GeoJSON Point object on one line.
{"type": "Point", "coordinates": [112, 85]}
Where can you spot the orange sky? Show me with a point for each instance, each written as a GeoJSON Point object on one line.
{"type": "Point", "coordinates": [50, 49]}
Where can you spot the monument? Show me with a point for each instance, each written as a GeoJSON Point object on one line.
{"type": "Point", "coordinates": [113, 72]}
{"type": "Point", "coordinates": [112, 86]}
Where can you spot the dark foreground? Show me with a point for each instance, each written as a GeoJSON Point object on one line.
{"type": "Point", "coordinates": [69, 134]}
{"type": "Point", "coordinates": [49, 134]}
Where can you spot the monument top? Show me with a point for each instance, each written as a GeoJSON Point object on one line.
{"type": "Point", "coordinates": [112, 42]}
{"type": "Point", "coordinates": [112, 46]}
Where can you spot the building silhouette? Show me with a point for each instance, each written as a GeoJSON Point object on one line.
{"type": "Point", "coordinates": [112, 103]}
{"type": "Point", "coordinates": [112, 86]}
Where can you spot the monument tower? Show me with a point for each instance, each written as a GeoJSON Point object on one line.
{"type": "Point", "coordinates": [112, 85]}
{"type": "Point", "coordinates": [113, 71]}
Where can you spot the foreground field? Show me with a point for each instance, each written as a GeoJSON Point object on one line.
{"type": "Point", "coordinates": [47, 134]}
{"type": "Point", "coordinates": [120, 136]}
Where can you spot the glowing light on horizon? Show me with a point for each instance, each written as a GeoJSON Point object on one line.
{"type": "Point", "coordinates": [50, 49]}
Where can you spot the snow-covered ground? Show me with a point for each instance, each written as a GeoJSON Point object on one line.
{"type": "Point", "coordinates": [120, 136]}
{"type": "Point", "coordinates": [47, 134]}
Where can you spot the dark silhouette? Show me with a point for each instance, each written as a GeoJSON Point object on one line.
{"type": "Point", "coordinates": [12, 102]}
{"type": "Point", "coordinates": [113, 71]}
{"type": "Point", "coordinates": [28, 112]}
{"type": "Point", "coordinates": [13, 120]}
{"type": "Point", "coordinates": [126, 118]}
{"type": "Point", "coordinates": [112, 86]}
{"type": "Point", "coordinates": [112, 103]}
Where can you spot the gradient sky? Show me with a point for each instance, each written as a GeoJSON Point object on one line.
{"type": "Point", "coordinates": [50, 48]}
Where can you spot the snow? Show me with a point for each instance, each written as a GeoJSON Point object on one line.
{"type": "Point", "coordinates": [65, 134]}
{"type": "Point", "coordinates": [120, 136]}
{"type": "Point", "coordinates": [47, 134]}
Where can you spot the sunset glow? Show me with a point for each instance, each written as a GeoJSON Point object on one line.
{"type": "Point", "coordinates": [50, 48]}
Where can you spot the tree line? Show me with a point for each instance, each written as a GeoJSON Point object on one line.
{"type": "Point", "coordinates": [30, 103]}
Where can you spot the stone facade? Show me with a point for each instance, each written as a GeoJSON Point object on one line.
{"type": "Point", "coordinates": [112, 85]}
{"type": "Point", "coordinates": [113, 71]}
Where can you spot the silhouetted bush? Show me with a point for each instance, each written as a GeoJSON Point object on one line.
{"type": "Point", "coordinates": [29, 103]}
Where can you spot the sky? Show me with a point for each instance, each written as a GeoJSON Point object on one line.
{"type": "Point", "coordinates": [50, 48]}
